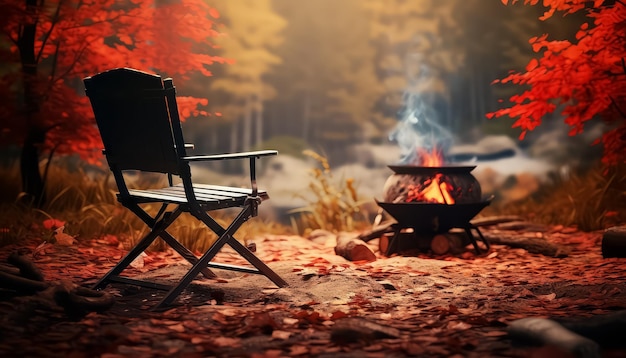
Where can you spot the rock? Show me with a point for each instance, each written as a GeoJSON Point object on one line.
{"type": "Point", "coordinates": [352, 329]}
{"type": "Point", "coordinates": [614, 242]}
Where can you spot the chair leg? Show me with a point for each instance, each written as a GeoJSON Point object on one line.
{"type": "Point", "coordinates": [225, 235]}
{"type": "Point", "coordinates": [256, 262]}
{"type": "Point", "coordinates": [185, 253]}
{"type": "Point", "coordinates": [241, 249]}
{"type": "Point", "coordinates": [140, 247]}
{"type": "Point", "coordinates": [171, 240]}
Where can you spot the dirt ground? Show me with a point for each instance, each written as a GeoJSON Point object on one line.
{"type": "Point", "coordinates": [399, 306]}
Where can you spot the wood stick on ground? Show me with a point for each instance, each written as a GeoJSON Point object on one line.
{"type": "Point", "coordinates": [531, 244]}
{"type": "Point", "coordinates": [352, 248]}
{"type": "Point", "coordinates": [377, 231]}
{"type": "Point", "coordinates": [495, 220]}
{"type": "Point", "coordinates": [27, 267]}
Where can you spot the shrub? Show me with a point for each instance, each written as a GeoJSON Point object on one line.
{"type": "Point", "coordinates": [333, 206]}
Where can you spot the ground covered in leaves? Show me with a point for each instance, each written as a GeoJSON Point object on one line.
{"type": "Point", "coordinates": [399, 306]}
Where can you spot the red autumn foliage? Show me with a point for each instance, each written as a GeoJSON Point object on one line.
{"type": "Point", "coordinates": [585, 78]}
{"type": "Point", "coordinates": [53, 224]}
{"type": "Point", "coordinates": [47, 48]}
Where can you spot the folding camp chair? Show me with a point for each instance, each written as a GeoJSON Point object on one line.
{"type": "Point", "coordinates": [138, 119]}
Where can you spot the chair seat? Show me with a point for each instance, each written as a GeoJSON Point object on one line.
{"type": "Point", "coordinates": [212, 196]}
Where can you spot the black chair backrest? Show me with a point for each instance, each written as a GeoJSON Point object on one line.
{"type": "Point", "coordinates": [137, 115]}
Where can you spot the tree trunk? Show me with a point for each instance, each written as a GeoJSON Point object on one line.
{"type": "Point", "coordinates": [259, 122]}
{"type": "Point", "coordinates": [306, 116]}
{"type": "Point", "coordinates": [214, 138]}
{"type": "Point", "coordinates": [234, 136]}
{"type": "Point", "coordinates": [232, 165]}
{"type": "Point", "coordinates": [32, 182]}
{"type": "Point", "coordinates": [473, 96]}
{"type": "Point", "coordinates": [247, 124]}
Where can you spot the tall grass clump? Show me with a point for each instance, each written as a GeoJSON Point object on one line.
{"type": "Point", "coordinates": [331, 205]}
{"type": "Point", "coordinates": [591, 200]}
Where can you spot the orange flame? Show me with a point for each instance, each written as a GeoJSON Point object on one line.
{"type": "Point", "coordinates": [432, 159]}
{"type": "Point", "coordinates": [433, 190]}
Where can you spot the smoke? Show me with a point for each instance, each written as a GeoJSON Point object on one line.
{"type": "Point", "coordinates": [418, 127]}
{"type": "Point", "coordinates": [416, 130]}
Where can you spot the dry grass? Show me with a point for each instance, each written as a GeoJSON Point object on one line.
{"type": "Point", "coordinates": [593, 200]}
{"type": "Point", "coordinates": [89, 208]}
{"type": "Point", "coordinates": [334, 207]}
{"type": "Point", "coordinates": [87, 204]}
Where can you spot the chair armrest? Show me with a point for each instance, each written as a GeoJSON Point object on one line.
{"type": "Point", "coordinates": [188, 146]}
{"type": "Point", "coordinates": [242, 155]}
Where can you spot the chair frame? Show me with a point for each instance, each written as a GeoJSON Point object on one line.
{"type": "Point", "coordinates": [112, 94]}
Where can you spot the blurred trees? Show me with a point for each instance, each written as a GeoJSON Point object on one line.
{"type": "Point", "coordinates": [349, 66]}
{"type": "Point", "coordinates": [413, 56]}
{"type": "Point", "coordinates": [47, 47]}
{"type": "Point", "coordinates": [494, 39]}
{"type": "Point", "coordinates": [346, 67]}
{"type": "Point", "coordinates": [252, 32]}
{"type": "Point", "coordinates": [328, 86]}
{"type": "Point", "coordinates": [329, 72]}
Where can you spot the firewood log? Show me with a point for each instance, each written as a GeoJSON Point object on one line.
{"type": "Point", "coordinates": [614, 242]}
{"type": "Point", "coordinates": [78, 301]}
{"type": "Point", "coordinates": [449, 242]}
{"type": "Point", "coordinates": [531, 244]}
{"type": "Point", "coordinates": [26, 279]}
{"type": "Point", "coordinates": [27, 267]}
{"type": "Point", "coordinates": [403, 242]}
{"type": "Point", "coordinates": [383, 243]}
{"type": "Point", "coordinates": [551, 333]}
{"type": "Point", "coordinates": [353, 249]}
{"type": "Point", "coordinates": [21, 284]}
{"type": "Point", "coordinates": [374, 245]}
{"type": "Point", "coordinates": [376, 231]}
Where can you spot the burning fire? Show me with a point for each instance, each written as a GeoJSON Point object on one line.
{"type": "Point", "coordinates": [433, 190]}
{"type": "Point", "coordinates": [432, 159]}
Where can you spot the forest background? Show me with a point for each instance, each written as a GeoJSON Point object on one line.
{"type": "Point", "coordinates": [338, 77]}
{"type": "Point", "coordinates": [328, 75]}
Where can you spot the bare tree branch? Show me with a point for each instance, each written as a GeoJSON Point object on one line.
{"type": "Point", "coordinates": [619, 110]}
{"type": "Point", "coordinates": [53, 21]}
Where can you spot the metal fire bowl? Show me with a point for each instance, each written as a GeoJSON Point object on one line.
{"type": "Point", "coordinates": [416, 169]}
{"type": "Point", "coordinates": [433, 217]}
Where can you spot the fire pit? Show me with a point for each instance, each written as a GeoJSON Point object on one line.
{"type": "Point", "coordinates": [430, 200]}
{"type": "Point", "coordinates": [436, 184]}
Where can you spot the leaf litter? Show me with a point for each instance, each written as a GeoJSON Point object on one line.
{"type": "Point", "coordinates": [397, 306]}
